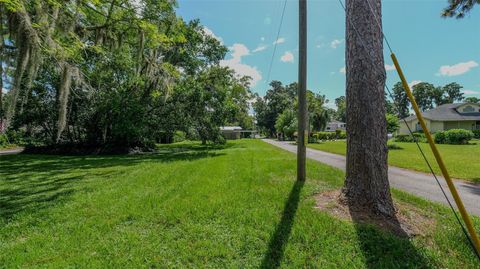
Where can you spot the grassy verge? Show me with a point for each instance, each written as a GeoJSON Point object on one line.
{"type": "Point", "coordinates": [236, 206]}
{"type": "Point", "coordinates": [460, 159]}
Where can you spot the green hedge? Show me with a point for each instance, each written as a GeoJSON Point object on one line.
{"type": "Point", "coordinates": [476, 134]}
{"type": "Point", "coordinates": [3, 140]}
{"type": "Point", "coordinates": [420, 137]}
{"type": "Point", "coordinates": [454, 137]}
{"type": "Point", "coordinates": [328, 135]}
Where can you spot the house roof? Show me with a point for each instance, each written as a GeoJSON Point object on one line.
{"type": "Point", "coordinates": [448, 112]}
{"type": "Point", "coordinates": [336, 122]}
{"type": "Point", "coordinates": [230, 128]}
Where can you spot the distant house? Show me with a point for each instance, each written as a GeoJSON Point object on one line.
{"type": "Point", "coordinates": [335, 125]}
{"type": "Point", "coordinates": [236, 132]}
{"type": "Point", "coordinates": [445, 117]}
{"type": "Point", "coordinates": [231, 132]}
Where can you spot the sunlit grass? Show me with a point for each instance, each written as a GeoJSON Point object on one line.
{"type": "Point", "coordinates": [462, 161]}
{"type": "Point", "coordinates": [233, 206]}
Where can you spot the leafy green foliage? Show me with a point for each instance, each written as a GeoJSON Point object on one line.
{"type": "Point", "coordinates": [287, 124]}
{"type": "Point", "coordinates": [338, 134]}
{"type": "Point", "coordinates": [472, 99]}
{"type": "Point", "coordinates": [423, 93]}
{"type": "Point", "coordinates": [476, 134]}
{"type": "Point", "coordinates": [459, 8]}
{"type": "Point", "coordinates": [454, 137]}
{"type": "Point", "coordinates": [401, 100]}
{"type": "Point", "coordinates": [126, 74]}
{"type": "Point", "coordinates": [341, 114]}
{"type": "Point", "coordinates": [440, 137]}
{"type": "Point", "coordinates": [276, 100]}
{"type": "Point", "coordinates": [317, 113]}
{"type": "Point", "coordinates": [392, 123]}
{"type": "Point", "coordinates": [419, 137]}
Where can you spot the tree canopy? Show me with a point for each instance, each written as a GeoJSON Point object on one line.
{"type": "Point", "coordinates": [117, 72]}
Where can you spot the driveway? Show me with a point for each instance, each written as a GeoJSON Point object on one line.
{"type": "Point", "coordinates": [11, 151]}
{"type": "Point", "coordinates": [417, 183]}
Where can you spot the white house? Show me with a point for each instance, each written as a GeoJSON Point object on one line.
{"type": "Point", "coordinates": [335, 125]}
{"type": "Point", "coordinates": [445, 117]}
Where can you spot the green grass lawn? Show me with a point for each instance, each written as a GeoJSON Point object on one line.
{"type": "Point", "coordinates": [236, 206]}
{"type": "Point", "coordinates": [462, 160]}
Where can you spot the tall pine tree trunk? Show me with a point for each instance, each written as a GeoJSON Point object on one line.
{"type": "Point", "coordinates": [366, 184]}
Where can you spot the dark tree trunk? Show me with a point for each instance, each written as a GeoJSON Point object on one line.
{"type": "Point", "coordinates": [2, 45]}
{"type": "Point", "coordinates": [366, 184]}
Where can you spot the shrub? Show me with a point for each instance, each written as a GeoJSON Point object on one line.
{"type": "Point", "coordinates": [440, 137]}
{"type": "Point", "coordinates": [393, 147]}
{"type": "Point", "coordinates": [3, 140]}
{"type": "Point", "coordinates": [179, 136]}
{"type": "Point", "coordinates": [420, 137]}
{"type": "Point", "coordinates": [340, 134]}
{"type": "Point", "coordinates": [403, 138]}
{"type": "Point", "coordinates": [458, 136]}
{"type": "Point", "coordinates": [329, 135]}
{"type": "Point", "coordinates": [476, 134]}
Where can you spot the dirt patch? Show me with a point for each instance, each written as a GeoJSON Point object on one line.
{"type": "Point", "coordinates": [409, 221]}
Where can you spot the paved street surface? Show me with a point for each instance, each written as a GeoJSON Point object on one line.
{"type": "Point", "coordinates": [11, 151]}
{"type": "Point", "coordinates": [417, 183]}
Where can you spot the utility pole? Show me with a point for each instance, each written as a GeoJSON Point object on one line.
{"type": "Point", "coordinates": [302, 92]}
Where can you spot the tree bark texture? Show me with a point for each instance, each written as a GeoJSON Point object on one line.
{"type": "Point", "coordinates": [366, 183]}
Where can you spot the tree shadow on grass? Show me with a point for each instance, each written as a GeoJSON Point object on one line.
{"type": "Point", "coordinates": [476, 180]}
{"type": "Point", "coordinates": [387, 248]}
{"type": "Point", "coordinates": [34, 182]}
{"type": "Point", "coordinates": [278, 241]}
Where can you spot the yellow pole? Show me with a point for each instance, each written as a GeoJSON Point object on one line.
{"type": "Point", "coordinates": [436, 153]}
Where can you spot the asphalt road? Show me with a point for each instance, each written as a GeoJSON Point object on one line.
{"type": "Point", "coordinates": [417, 183]}
{"type": "Point", "coordinates": [11, 151]}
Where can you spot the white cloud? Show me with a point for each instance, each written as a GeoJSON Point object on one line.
{"type": "Point", "coordinates": [471, 92]}
{"type": "Point", "coordinates": [279, 41]}
{"type": "Point", "coordinates": [343, 70]}
{"type": "Point", "coordinates": [235, 63]}
{"type": "Point", "coordinates": [389, 67]}
{"type": "Point", "coordinates": [260, 48]}
{"type": "Point", "coordinates": [335, 43]}
{"type": "Point", "coordinates": [209, 32]}
{"type": "Point", "coordinates": [287, 57]}
{"type": "Point", "coordinates": [239, 50]}
{"type": "Point", "coordinates": [414, 82]}
{"type": "Point", "coordinates": [456, 69]}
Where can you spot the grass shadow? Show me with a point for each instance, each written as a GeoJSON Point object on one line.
{"type": "Point", "coordinates": [34, 182]}
{"type": "Point", "coordinates": [476, 180]}
{"type": "Point", "coordinates": [386, 249]}
{"type": "Point", "coordinates": [278, 241]}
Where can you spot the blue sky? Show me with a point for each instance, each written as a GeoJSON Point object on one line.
{"type": "Point", "coordinates": [429, 48]}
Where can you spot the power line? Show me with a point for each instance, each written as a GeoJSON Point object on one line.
{"type": "Point", "coordinates": [398, 110]}
{"type": "Point", "coordinates": [276, 41]}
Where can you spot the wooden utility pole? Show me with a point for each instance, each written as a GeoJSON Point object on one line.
{"type": "Point", "coordinates": [302, 92]}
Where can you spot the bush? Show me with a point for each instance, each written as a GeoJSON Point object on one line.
{"type": "Point", "coordinates": [476, 134]}
{"type": "Point", "coordinates": [340, 134]}
{"type": "Point", "coordinates": [458, 136]}
{"type": "Point", "coordinates": [420, 137]}
{"type": "Point", "coordinates": [3, 140]}
{"type": "Point", "coordinates": [440, 137]}
{"type": "Point", "coordinates": [393, 147]}
{"type": "Point", "coordinates": [179, 136]}
{"type": "Point", "coordinates": [329, 135]}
